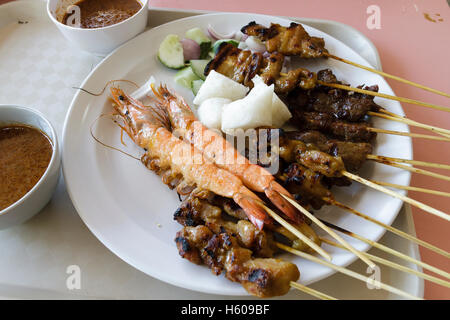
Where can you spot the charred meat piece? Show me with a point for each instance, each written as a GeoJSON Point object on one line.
{"type": "Point", "coordinates": [354, 154]}
{"type": "Point", "coordinates": [341, 104]}
{"type": "Point", "coordinates": [306, 185]}
{"type": "Point", "coordinates": [262, 277]}
{"type": "Point", "coordinates": [290, 41]}
{"type": "Point", "coordinates": [311, 157]}
{"type": "Point", "coordinates": [326, 123]}
{"type": "Point", "coordinates": [195, 211]}
{"type": "Point", "coordinates": [243, 65]}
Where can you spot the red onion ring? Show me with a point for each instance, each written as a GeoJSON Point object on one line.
{"type": "Point", "coordinates": [217, 36]}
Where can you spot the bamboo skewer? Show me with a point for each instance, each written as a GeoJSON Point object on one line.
{"type": "Point", "coordinates": [413, 202]}
{"type": "Point", "coordinates": [387, 75]}
{"type": "Point", "coordinates": [389, 250]}
{"type": "Point", "coordinates": [383, 95]}
{"type": "Point", "coordinates": [329, 231]}
{"type": "Point", "coordinates": [415, 170]}
{"type": "Point", "coordinates": [311, 292]}
{"type": "Point", "coordinates": [392, 116]}
{"type": "Point", "coordinates": [348, 272]}
{"type": "Point", "coordinates": [394, 265]}
{"type": "Point", "coordinates": [389, 228]}
{"type": "Point", "coordinates": [413, 162]}
{"type": "Point", "coordinates": [409, 134]}
{"type": "Point", "coordinates": [410, 188]}
{"type": "Point", "coordinates": [297, 233]}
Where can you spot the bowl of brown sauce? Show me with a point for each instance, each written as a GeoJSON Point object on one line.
{"type": "Point", "coordinates": [30, 164]}
{"type": "Point", "coordinates": [99, 26]}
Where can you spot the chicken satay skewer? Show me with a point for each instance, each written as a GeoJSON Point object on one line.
{"type": "Point", "coordinates": [334, 167]}
{"type": "Point", "coordinates": [414, 162]}
{"type": "Point", "coordinates": [295, 41]}
{"type": "Point", "coordinates": [331, 201]}
{"type": "Point", "coordinates": [389, 250]}
{"type": "Point", "coordinates": [348, 272]}
{"type": "Point", "coordinates": [413, 169]}
{"type": "Point", "coordinates": [394, 265]}
{"type": "Point", "coordinates": [411, 201]}
{"type": "Point", "coordinates": [325, 228]}
{"type": "Point", "coordinates": [297, 233]}
{"type": "Point", "coordinates": [311, 292]}
{"type": "Point", "coordinates": [388, 227]}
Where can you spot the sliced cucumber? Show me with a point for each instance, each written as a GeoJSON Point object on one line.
{"type": "Point", "coordinates": [170, 52]}
{"type": "Point", "coordinates": [185, 77]}
{"type": "Point", "coordinates": [217, 44]}
{"type": "Point", "coordinates": [196, 84]}
{"type": "Point", "coordinates": [199, 36]}
{"type": "Point", "coordinates": [198, 66]}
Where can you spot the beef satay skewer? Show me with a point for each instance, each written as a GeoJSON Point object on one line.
{"type": "Point", "coordinates": [408, 134]}
{"type": "Point", "coordinates": [410, 188]}
{"type": "Point", "coordinates": [346, 271]}
{"type": "Point", "coordinates": [395, 117]}
{"type": "Point", "coordinates": [325, 228]}
{"type": "Point", "coordinates": [383, 95]}
{"type": "Point", "coordinates": [394, 265]}
{"type": "Point", "coordinates": [389, 250]}
{"type": "Point", "coordinates": [413, 162]}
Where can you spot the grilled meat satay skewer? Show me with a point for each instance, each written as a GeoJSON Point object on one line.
{"type": "Point", "coordinates": [295, 41]}
{"type": "Point", "coordinates": [348, 272]}
{"type": "Point", "coordinates": [262, 277]}
{"type": "Point", "coordinates": [334, 167]}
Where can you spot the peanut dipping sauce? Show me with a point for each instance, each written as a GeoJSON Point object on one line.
{"type": "Point", "coordinates": [102, 13]}
{"type": "Point", "coordinates": [25, 154]}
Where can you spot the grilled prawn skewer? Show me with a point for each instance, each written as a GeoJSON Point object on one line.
{"type": "Point", "coordinates": [147, 126]}
{"type": "Point", "coordinates": [224, 155]}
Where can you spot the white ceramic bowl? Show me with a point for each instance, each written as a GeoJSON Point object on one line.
{"type": "Point", "coordinates": [33, 201]}
{"type": "Point", "coordinates": [99, 40]}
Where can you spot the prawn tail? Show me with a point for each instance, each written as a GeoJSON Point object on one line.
{"type": "Point", "coordinates": [253, 209]}
{"type": "Point", "coordinates": [273, 192]}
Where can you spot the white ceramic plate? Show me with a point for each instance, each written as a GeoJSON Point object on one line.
{"type": "Point", "coordinates": [130, 210]}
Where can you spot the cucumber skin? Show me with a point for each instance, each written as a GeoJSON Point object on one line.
{"type": "Point", "coordinates": [173, 68]}
{"type": "Point", "coordinates": [185, 77]}
{"type": "Point", "coordinates": [167, 48]}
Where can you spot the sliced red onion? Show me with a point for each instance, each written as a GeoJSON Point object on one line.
{"type": "Point", "coordinates": [286, 64]}
{"type": "Point", "coordinates": [191, 49]}
{"type": "Point", "coordinates": [218, 36]}
{"type": "Point", "coordinates": [254, 44]}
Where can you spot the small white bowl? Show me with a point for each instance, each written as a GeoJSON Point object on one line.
{"type": "Point", "coordinates": [35, 199]}
{"type": "Point", "coordinates": [99, 40]}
